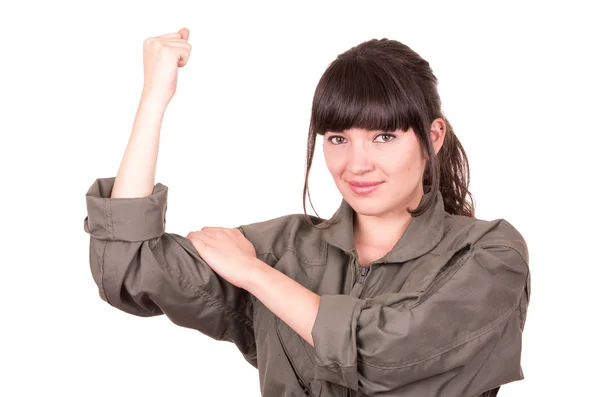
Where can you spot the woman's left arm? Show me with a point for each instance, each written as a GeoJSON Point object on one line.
{"type": "Point", "coordinates": [294, 304]}
{"type": "Point", "coordinates": [227, 253]}
{"type": "Point", "coordinates": [462, 339]}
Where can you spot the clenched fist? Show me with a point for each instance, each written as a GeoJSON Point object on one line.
{"type": "Point", "coordinates": [163, 55]}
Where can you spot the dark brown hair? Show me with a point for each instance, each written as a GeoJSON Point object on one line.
{"type": "Point", "coordinates": [383, 85]}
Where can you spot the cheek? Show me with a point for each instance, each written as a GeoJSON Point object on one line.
{"type": "Point", "coordinates": [404, 166]}
{"type": "Point", "coordinates": [398, 164]}
{"type": "Point", "coordinates": [335, 164]}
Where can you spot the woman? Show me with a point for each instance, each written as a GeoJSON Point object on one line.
{"type": "Point", "coordinates": [403, 292]}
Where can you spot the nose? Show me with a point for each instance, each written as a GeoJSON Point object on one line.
{"type": "Point", "coordinates": [360, 159]}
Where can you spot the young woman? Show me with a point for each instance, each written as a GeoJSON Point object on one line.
{"type": "Point", "coordinates": [402, 292]}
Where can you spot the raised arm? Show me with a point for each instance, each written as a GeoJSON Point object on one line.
{"type": "Point", "coordinates": [137, 266]}
{"type": "Point", "coordinates": [163, 55]}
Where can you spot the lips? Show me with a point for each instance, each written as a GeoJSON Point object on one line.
{"type": "Point", "coordinates": [365, 188]}
{"type": "Point", "coordinates": [363, 184]}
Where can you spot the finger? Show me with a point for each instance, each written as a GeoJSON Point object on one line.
{"type": "Point", "coordinates": [207, 241]}
{"type": "Point", "coordinates": [198, 236]}
{"type": "Point", "coordinates": [216, 234]}
{"type": "Point", "coordinates": [176, 35]}
{"type": "Point", "coordinates": [207, 237]}
{"type": "Point", "coordinates": [172, 41]}
{"type": "Point", "coordinates": [179, 44]}
{"type": "Point", "coordinates": [181, 52]}
{"type": "Point", "coordinates": [184, 56]}
{"type": "Point", "coordinates": [199, 243]}
{"type": "Point", "coordinates": [196, 233]}
{"type": "Point", "coordinates": [185, 33]}
{"type": "Point", "coordinates": [211, 229]}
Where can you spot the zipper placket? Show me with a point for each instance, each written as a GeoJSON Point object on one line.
{"type": "Point", "coordinates": [362, 271]}
{"type": "Point", "coordinates": [362, 276]}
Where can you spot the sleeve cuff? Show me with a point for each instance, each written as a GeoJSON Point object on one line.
{"type": "Point", "coordinates": [334, 338]}
{"type": "Point", "coordinates": [125, 219]}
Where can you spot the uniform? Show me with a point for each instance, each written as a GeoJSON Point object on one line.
{"type": "Point", "coordinates": [441, 314]}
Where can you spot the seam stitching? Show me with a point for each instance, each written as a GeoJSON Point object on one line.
{"type": "Point", "coordinates": [491, 245]}
{"type": "Point", "coordinates": [109, 221]}
{"type": "Point", "coordinates": [456, 343]}
{"type": "Point", "coordinates": [198, 290]}
{"type": "Point", "coordinates": [459, 342]}
{"type": "Point", "coordinates": [101, 257]}
{"type": "Point", "coordinates": [302, 259]}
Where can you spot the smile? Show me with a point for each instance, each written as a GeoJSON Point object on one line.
{"type": "Point", "coordinates": [362, 190]}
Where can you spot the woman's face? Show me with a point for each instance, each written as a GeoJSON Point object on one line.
{"type": "Point", "coordinates": [393, 158]}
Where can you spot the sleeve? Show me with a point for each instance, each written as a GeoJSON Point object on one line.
{"type": "Point", "coordinates": [144, 271]}
{"type": "Point", "coordinates": [462, 338]}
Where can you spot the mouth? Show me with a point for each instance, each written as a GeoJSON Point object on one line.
{"type": "Point", "coordinates": [363, 184]}
{"type": "Point", "coordinates": [363, 188]}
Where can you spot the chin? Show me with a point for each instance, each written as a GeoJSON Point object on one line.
{"type": "Point", "coordinates": [366, 206]}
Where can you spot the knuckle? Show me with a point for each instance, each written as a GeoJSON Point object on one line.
{"type": "Point", "coordinates": [163, 49]}
{"type": "Point", "coordinates": [150, 42]}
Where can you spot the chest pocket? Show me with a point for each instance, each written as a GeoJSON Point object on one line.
{"type": "Point", "coordinates": [425, 279]}
{"type": "Point", "coordinates": [300, 355]}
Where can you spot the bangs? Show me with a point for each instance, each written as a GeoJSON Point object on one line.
{"type": "Point", "coordinates": [355, 93]}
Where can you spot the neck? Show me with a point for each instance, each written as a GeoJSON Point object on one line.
{"type": "Point", "coordinates": [385, 229]}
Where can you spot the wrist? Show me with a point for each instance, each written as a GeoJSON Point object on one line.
{"type": "Point", "coordinates": [259, 272]}
{"type": "Point", "coordinates": [153, 100]}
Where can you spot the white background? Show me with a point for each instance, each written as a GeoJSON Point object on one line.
{"type": "Point", "coordinates": [519, 83]}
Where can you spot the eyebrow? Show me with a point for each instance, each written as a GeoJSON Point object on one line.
{"type": "Point", "coordinates": [344, 133]}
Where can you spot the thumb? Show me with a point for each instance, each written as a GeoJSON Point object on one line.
{"type": "Point", "coordinates": [185, 33]}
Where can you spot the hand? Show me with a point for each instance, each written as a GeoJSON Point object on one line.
{"type": "Point", "coordinates": [163, 55]}
{"type": "Point", "coordinates": [227, 252]}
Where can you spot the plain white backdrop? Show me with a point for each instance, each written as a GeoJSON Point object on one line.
{"type": "Point", "coordinates": [519, 83]}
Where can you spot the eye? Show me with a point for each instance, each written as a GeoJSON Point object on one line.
{"type": "Point", "coordinates": [330, 139]}
{"type": "Point", "coordinates": [388, 135]}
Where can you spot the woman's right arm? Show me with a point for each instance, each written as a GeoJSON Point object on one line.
{"type": "Point", "coordinates": [163, 56]}
{"type": "Point", "coordinates": [137, 267]}
{"type": "Point", "coordinates": [137, 171]}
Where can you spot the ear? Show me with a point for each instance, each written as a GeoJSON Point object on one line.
{"type": "Point", "coordinates": [437, 134]}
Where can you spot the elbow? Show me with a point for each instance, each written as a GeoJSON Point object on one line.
{"type": "Point", "coordinates": [116, 270]}
{"type": "Point", "coordinates": [471, 365]}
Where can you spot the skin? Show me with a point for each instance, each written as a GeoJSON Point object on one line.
{"type": "Point", "coordinates": [356, 155]}
{"type": "Point", "coordinates": [396, 159]}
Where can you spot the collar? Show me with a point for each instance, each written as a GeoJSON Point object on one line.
{"type": "Point", "coordinates": [423, 233]}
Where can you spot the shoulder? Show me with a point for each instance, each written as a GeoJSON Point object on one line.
{"type": "Point", "coordinates": [496, 234]}
{"type": "Point", "coordinates": [284, 233]}
{"type": "Point", "coordinates": [498, 254]}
